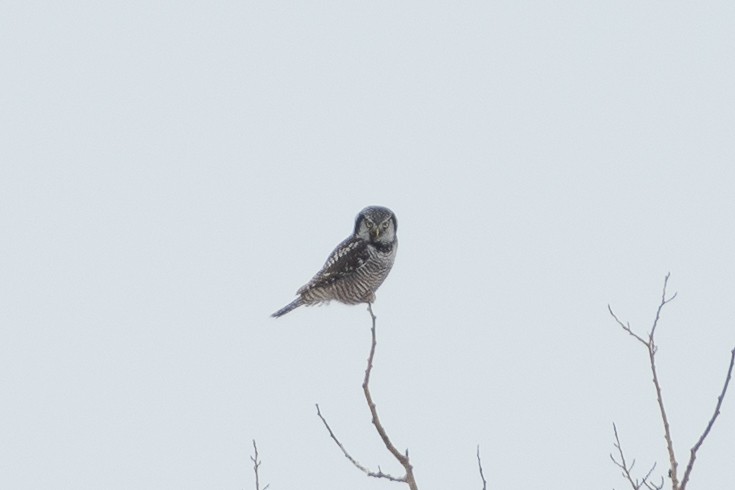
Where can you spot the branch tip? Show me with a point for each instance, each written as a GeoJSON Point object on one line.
{"type": "Point", "coordinates": [479, 465]}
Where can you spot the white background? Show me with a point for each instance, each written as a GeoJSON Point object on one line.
{"type": "Point", "coordinates": [171, 172]}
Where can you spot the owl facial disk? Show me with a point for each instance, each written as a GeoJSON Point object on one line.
{"type": "Point", "coordinates": [376, 224]}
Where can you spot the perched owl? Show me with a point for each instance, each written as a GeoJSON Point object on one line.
{"type": "Point", "coordinates": [357, 267]}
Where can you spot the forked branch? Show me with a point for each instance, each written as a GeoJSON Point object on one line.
{"type": "Point", "coordinates": [368, 472]}
{"type": "Point", "coordinates": [627, 468]}
{"type": "Point", "coordinates": [650, 344]}
{"type": "Point", "coordinates": [402, 458]}
{"type": "Point", "coordinates": [256, 467]}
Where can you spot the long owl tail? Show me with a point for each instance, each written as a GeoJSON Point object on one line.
{"type": "Point", "coordinates": [291, 306]}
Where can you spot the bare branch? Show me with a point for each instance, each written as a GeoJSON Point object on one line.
{"type": "Point", "coordinates": [693, 454]}
{"type": "Point", "coordinates": [659, 397]}
{"type": "Point", "coordinates": [256, 466]}
{"type": "Point", "coordinates": [374, 474]}
{"type": "Point", "coordinates": [665, 419]}
{"type": "Point", "coordinates": [627, 469]}
{"type": "Point", "coordinates": [626, 326]}
{"type": "Point", "coordinates": [402, 458]}
{"type": "Point", "coordinates": [651, 348]}
{"type": "Point", "coordinates": [479, 464]}
{"type": "Point", "coordinates": [661, 305]}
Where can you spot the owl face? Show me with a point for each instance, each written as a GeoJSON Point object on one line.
{"type": "Point", "coordinates": [376, 224]}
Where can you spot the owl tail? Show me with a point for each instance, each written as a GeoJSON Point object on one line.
{"type": "Point", "coordinates": [291, 306]}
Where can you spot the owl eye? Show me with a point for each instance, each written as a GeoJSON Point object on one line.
{"type": "Point", "coordinates": [385, 225]}
{"type": "Point", "coordinates": [369, 224]}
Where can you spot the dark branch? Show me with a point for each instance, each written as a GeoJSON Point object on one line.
{"type": "Point", "coordinates": [479, 464]}
{"type": "Point", "coordinates": [256, 466]}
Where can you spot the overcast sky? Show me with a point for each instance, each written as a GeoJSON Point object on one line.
{"type": "Point", "coordinates": [171, 173]}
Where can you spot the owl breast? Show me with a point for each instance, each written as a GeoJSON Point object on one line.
{"type": "Point", "coordinates": [354, 286]}
{"type": "Point", "coordinates": [361, 287]}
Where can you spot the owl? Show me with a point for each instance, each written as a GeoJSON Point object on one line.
{"type": "Point", "coordinates": [357, 267]}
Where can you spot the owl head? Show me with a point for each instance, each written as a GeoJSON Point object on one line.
{"type": "Point", "coordinates": [376, 224]}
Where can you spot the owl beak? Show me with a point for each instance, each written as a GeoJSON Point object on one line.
{"type": "Point", "coordinates": [376, 233]}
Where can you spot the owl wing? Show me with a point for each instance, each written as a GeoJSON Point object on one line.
{"type": "Point", "coordinates": [349, 256]}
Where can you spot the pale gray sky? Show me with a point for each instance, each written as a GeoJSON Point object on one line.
{"type": "Point", "coordinates": [172, 172]}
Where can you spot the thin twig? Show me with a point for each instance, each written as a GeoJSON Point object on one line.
{"type": "Point", "coordinates": [627, 469]}
{"type": "Point", "coordinates": [693, 454]}
{"type": "Point", "coordinates": [626, 326]}
{"type": "Point", "coordinates": [479, 464]}
{"type": "Point", "coordinates": [256, 466]}
{"type": "Point", "coordinates": [374, 474]}
{"type": "Point", "coordinates": [661, 305]}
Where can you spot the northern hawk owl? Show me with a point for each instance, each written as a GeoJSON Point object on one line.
{"type": "Point", "coordinates": [357, 267]}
